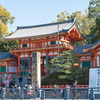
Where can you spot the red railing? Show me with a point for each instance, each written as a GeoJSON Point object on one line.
{"type": "Point", "coordinates": [40, 47]}
{"type": "Point", "coordinates": [60, 86]}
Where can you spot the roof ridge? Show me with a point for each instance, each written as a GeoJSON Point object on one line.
{"type": "Point", "coordinates": [24, 27]}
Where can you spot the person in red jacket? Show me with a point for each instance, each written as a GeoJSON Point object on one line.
{"type": "Point", "coordinates": [2, 84]}
{"type": "Point", "coordinates": [63, 90]}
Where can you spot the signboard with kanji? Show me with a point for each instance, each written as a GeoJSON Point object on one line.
{"type": "Point", "coordinates": [94, 79]}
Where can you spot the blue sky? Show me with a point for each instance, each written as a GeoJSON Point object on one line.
{"type": "Point", "coordinates": [34, 12]}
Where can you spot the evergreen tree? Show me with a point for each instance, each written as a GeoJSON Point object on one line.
{"type": "Point", "coordinates": [64, 62]}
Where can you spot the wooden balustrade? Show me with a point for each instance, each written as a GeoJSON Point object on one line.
{"type": "Point", "coordinates": [40, 47]}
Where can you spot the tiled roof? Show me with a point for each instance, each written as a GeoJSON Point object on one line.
{"type": "Point", "coordinates": [79, 48]}
{"type": "Point", "coordinates": [6, 55]}
{"type": "Point", "coordinates": [94, 45]}
{"type": "Point", "coordinates": [42, 30]}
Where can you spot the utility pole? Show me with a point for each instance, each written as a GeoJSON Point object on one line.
{"type": "Point", "coordinates": [90, 37]}
{"type": "Point", "coordinates": [58, 38]}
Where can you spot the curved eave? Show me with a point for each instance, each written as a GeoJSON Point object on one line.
{"type": "Point", "coordinates": [8, 59]}
{"type": "Point", "coordinates": [60, 32]}
{"type": "Point", "coordinates": [79, 31]}
{"type": "Point", "coordinates": [75, 24]}
{"type": "Point", "coordinates": [93, 47]}
{"type": "Point", "coordinates": [82, 55]}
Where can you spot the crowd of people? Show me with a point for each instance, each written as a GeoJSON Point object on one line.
{"type": "Point", "coordinates": [12, 89]}
{"type": "Point", "coordinates": [70, 90]}
{"type": "Point", "coordinates": [10, 86]}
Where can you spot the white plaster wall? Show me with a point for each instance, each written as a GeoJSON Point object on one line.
{"type": "Point", "coordinates": [28, 45]}
{"type": "Point", "coordinates": [34, 45]}
{"type": "Point", "coordinates": [50, 53]}
{"type": "Point", "coordinates": [21, 45]}
{"type": "Point", "coordinates": [56, 42]}
{"type": "Point", "coordinates": [80, 64]}
{"type": "Point", "coordinates": [83, 57]}
{"type": "Point", "coordinates": [98, 53]}
{"type": "Point", "coordinates": [98, 49]}
{"type": "Point", "coordinates": [12, 69]}
{"type": "Point", "coordinates": [45, 43]}
{"type": "Point", "coordinates": [42, 44]}
{"type": "Point", "coordinates": [55, 53]}
{"type": "Point", "coordinates": [48, 42]}
{"type": "Point", "coordinates": [26, 55]}
{"type": "Point", "coordinates": [88, 56]}
{"type": "Point", "coordinates": [22, 56]}
{"type": "Point", "coordinates": [43, 54]}
{"type": "Point", "coordinates": [93, 62]}
{"type": "Point", "coordinates": [97, 60]}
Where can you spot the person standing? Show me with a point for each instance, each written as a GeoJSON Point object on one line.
{"type": "Point", "coordinates": [37, 89]}
{"type": "Point", "coordinates": [74, 90]}
{"type": "Point", "coordinates": [63, 90]}
{"type": "Point", "coordinates": [68, 90]}
{"type": "Point", "coordinates": [55, 90]}
{"type": "Point", "coordinates": [20, 81]}
{"type": "Point", "coordinates": [7, 85]}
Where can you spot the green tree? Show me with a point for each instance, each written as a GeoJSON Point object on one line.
{"type": "Point", "coordinates": [84, 22]}
{"type": "Point", "coordinates": [64, 62]}
{"type": "Point", "coordinates": [5, 19]}
{"type": "Point", "coordinates": [6, 45]}
{"type": "Point", "coordinates": [95, 30]}
{"type": "Point", "coordinates": [94, 13]}
{"type": "Point", "coordinates": [94, 8]}
{"type": "Point", "coordinates": [75, 73]}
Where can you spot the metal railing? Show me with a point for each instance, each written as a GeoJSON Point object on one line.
{"type": "Point", "coordinates": [60, 86]}
{"type": "Point", "coordinates": [50, 93]}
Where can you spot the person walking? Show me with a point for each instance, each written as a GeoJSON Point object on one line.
{"type": "Point", "coordinates": [74, 90]}
{"type": "Point", "coordinates": [37, 89]}
{"type": "Point", "coordinates": [55, 90]}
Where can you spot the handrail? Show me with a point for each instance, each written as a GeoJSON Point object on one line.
{"type": "Point", "coordinates": [45, 93]}
{"type": "Point", "coordinates": [60, 86]}
{"type": "Point", "coordinates": [40, 47]}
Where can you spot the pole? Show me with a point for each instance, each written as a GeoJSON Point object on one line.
{"type": "Point", "coordinates": [58, 38]}
{"type": "Point", "coordinates": [90, 37]}
{"type": "Point", "coordinates": [90, 54]}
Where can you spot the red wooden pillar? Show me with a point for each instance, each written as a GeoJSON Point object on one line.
{"type": "Point", "coordinates": [30, 65]}
{"type": "Point", "coordinates": [18, 69]}
{"type": "Point", "coordinates": [29, 43]}
{"type": "Point", "coordinates": [95, 60]}
{"type": "Point", "coordinates": [7, 68]}
{"type": "Point", "coordinates": [19, 43]}
{"type": "Point", "coordinates": [92, 62]}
